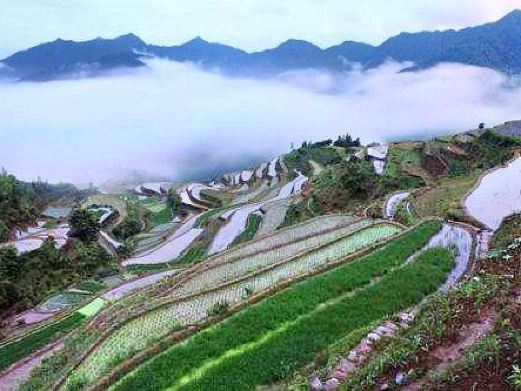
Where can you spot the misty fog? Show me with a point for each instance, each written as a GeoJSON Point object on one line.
{"type": "Point", "coordinates": [173, 121]}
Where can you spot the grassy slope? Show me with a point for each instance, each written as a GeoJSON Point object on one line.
{"type": "Point", "coordinates": [273, 313]}
{"type": "Point", "coordinates": [446, 198]}
{"type": "Point", "coordinates": [509, 230]}
{"type": "Point", "coordinates": [403, 154]}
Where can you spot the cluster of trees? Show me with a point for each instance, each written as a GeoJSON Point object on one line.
{"type": "Point", "coordinates": [347, 141]}
{"type": "Point", "coordinates": [131, 225]}
{"type": "Point", "coordinates": [488, 150]}
{"type": "Point", "coordinates": [21, 203]}
{"type": "Point", "coordinates": [342, 141]}
{"type": "Point", "coordinates": [173, 201]}
{"type": "Point", "coordinates": [28, 278]}
{"type": "Point", "coordinates": [318, 144]}
{"type": "Point", "coordinates": [17, 205]}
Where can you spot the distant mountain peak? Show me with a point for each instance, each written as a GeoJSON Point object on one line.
{"type": "Point", "coordinates": [196, 42]}
{"type": "Point", "coordinates": [297, 44]}
{"type": "Point", "coordinates": [130, 39]}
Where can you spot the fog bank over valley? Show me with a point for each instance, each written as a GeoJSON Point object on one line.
{"type": "Point", "coordinates": [173, 121]}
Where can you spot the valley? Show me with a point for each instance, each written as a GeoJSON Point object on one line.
{"type": "Point", "coordinates": [312, 270]}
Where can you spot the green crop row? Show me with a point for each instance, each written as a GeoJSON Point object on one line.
{"type": "Point", "coordinates": [268, 341]}
{"type": "Point", "coordinates": [138, 333]}
{"type": "Point", "coordinates": [16, 350]}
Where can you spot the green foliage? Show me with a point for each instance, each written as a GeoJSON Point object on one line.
{"type": "Point", "coordinates": [248, 234]}
{"type": "Point", "coordinates": [90, 286]}
{"type": "Point", "coordinates": [299, 158]}
{"type": "Point", "coordinates": [17, 203]}
{"type": "Point", "coordinates": [173, 201]}
{"type": "Point", "coordinates": [293, 325]}
{"type": "Point", "coordinates": [4, 232]}
{"type": "Point", "coordinates": [14, 351]}
{"type": "Point", "coordinates": [499, 140]}
{"type": "Point", "coordinates": [490, 150]}
{"type": "Point", "coordinates": [21, 203]}
{"type": "Point", "coordinates": [132, 223]}
{"type": "Point", "coordinates": [48, 372]}
{"type": "Point", "coordinates": [293, 346]}
{"type": "Point", "coordinates": [51, 224]}
{"type": "Point", "coordinates": [401, 156]}
{"type": "Point", "coordinates": [347, 141]}
{"type": "Point", "coordinates": [515, 377]}
{"type": "Point", "coordinates": [32, 276]}
{"type": "Point", "coordinates": [219, 308]}
{"type": "Point", "coordinates": [90, 259]}
{"type": "Point", "coordinates": [426, 331]}
{"type": "Point", "coordinates": [161, 217]}
{"type": "Point", "coordinates": [9, 295]}
{"type": "Point", "coordinates": [203, 220]}
{"type": "Point", "coordinates": [349, 185]}
{"type": "Point", "coordinates": [507, 232]}
{"type": "Point", "coordinates": [84, 225]}
{"type": "Point", "coordinates": [194, 254]}
{"type": "Point", "coordinates": [302, 211]}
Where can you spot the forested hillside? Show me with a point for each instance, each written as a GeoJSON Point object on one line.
{"type": "Point", "coordinates": [21, 203]}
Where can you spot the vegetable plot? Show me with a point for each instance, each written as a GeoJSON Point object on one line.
{"type": "Point", "coordinates": [228, 271]}
{"type": "Point", "coordinates": [129, 287]}
{"type": "Point", "coordinates": [268, 341]}
{"type": "Point", "coordinates": [139, 333]}
{"type": "Point", "coordinates": [285, 236]}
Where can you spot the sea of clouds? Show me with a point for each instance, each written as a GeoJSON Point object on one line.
{"type": "Point", "coordinates": [175, 121]}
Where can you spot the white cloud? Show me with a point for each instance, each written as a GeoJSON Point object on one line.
{"type": "Point", "coordinates": [174, 120]}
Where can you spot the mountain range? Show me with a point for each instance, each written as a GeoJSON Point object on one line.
{"type": "Point", "coordinates": [494, 45]}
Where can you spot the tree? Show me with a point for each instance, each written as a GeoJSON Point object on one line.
{"type": "Point", "coordinates": [359, 179]}
{"type": "Point", "coordinates": [4, 232]}
{"type": "Point", "coordinates": [8, 296]}
{"type": "Point", "coordinates": [131, 224]}
{"type": "Point", "coordinates": [347, 141]}
{"type": "Point", "coordinates": [84, 225]}
{"type": "Point", "coordinates": [90, 259]}
{"type": "Point", "coordinates": [10, 267]}
{"type": "Point", "coordinates": [173, 201]}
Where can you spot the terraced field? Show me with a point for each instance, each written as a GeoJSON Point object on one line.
{"type": "Point", "coordinates": [319, 226]}
{"type": "Point", "coordinates": [270, 340]}
{"type": "Point", "coordinates": [236, 281]}
{"type": "Point", "coordinates": [31, 342]}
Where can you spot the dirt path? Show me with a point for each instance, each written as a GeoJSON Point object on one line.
{"type": "Point", "coordinates": [446, 354]}
{"type": "Point", "coordinates": [14, 376]}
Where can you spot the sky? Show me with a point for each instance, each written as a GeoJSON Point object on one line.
{"type": "Point", "coordinates": [248, 24]}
